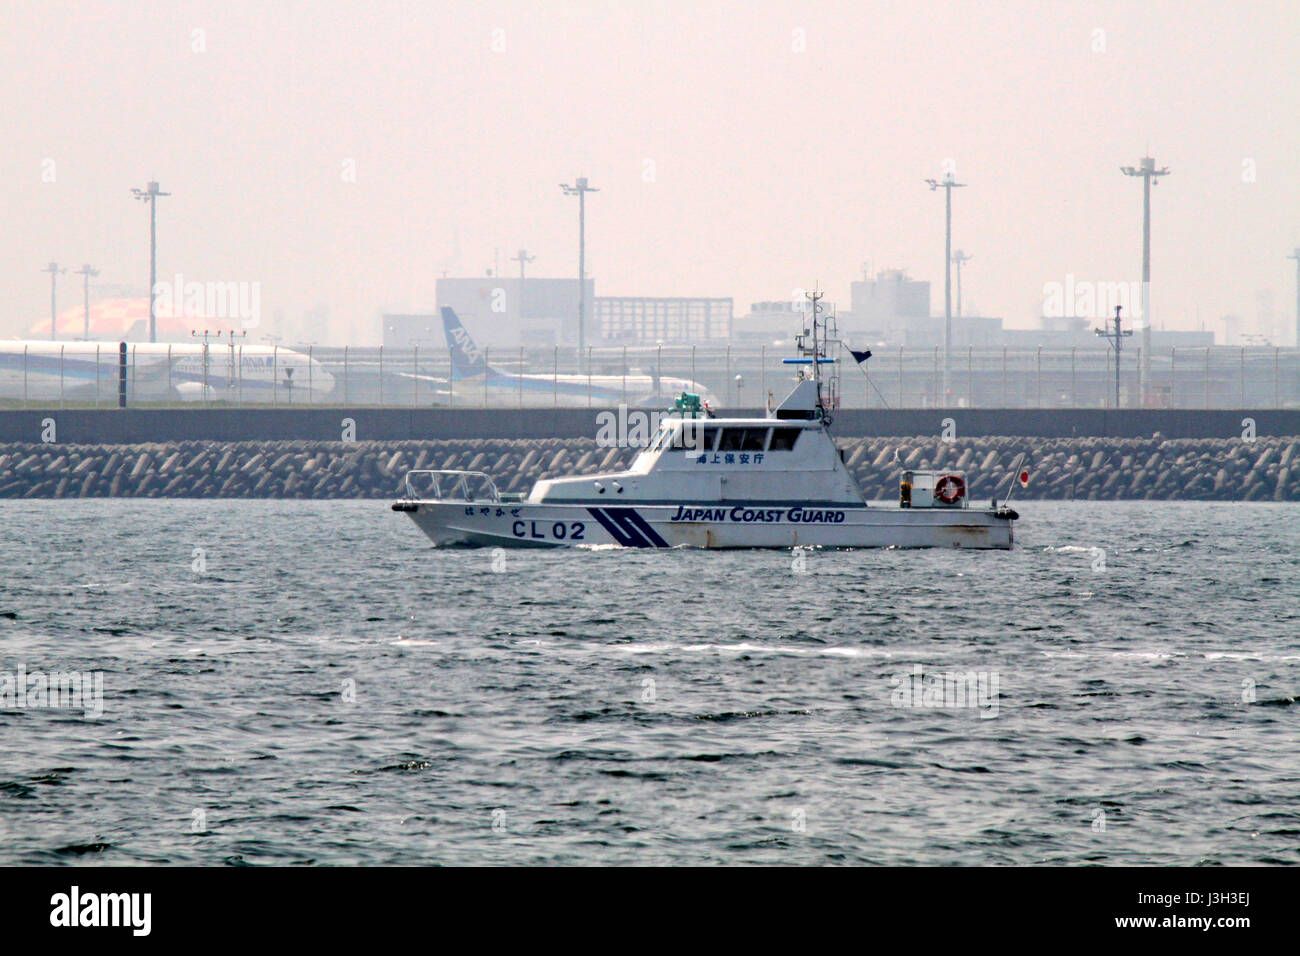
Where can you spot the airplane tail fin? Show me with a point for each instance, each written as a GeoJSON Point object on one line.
{"type": "Point", "coordinates": [466, 358]}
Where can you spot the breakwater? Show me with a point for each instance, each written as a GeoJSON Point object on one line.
{"type": "Point", "coordinates": [129, 426]}
{"type": "Point", "coordinates": [1266, 469]}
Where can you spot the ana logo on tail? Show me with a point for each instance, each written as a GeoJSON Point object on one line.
{"type": "Point", "coordinates": [466, 344]}
{"type": "Point", "coordinates": [466, 357]}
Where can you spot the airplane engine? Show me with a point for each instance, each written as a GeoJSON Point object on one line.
{"type": "Point", "coordinates": [193, 392]}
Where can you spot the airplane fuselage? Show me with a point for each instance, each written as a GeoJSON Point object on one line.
{"type": "Point", "coordinates": [83, 371]}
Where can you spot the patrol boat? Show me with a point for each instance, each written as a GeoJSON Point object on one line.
{"type": "Point", "coordinates": [709, 481]}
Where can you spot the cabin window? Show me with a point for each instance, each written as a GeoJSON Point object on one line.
{"type": "Point", "coordinates": [743, 439]}
{"type": "Point", "coordinates": [783, 439]}
{"type": "Point", "coordinates": [685, 435]}
{"type": "Point", "coordinates": [693, 436]}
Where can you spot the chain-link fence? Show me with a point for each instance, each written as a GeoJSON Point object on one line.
{"type": "Point", "coordinates": [85, 374]}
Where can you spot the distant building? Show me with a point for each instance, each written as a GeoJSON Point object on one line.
{"type": "Point", "coordinates": [406, 331]}
{"type": "Point", "coordinates": [511, 313]}
{"type": "Point", "coordinates": [968, 331]}
{"type": "Point", "coordinates": [890, 296]}
{"type": "Point", "coordinates": [647, 321]}
{"type": "Point", "coordinates": [1067, 332]}
{"type": "Point", "coordinates": [771, 321]}
{"type": "Point", "coordinates": [891, 308]}
{"type": "Point", "coordinates": [1065, 324]}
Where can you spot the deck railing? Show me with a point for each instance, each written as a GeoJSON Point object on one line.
{"type": "Point", "coordinates": [457, 484]}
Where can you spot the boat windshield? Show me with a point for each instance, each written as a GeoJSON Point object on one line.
{"type": "Point", "coordinates": [660, 438]}
{"type": "Point", "coordinates": [695, 435]}
{"type": "Point", "coordinates": [783, 439]}
{"type": "Point", "coordinates": [743, 439]}
{"type": "Point", "coordinates": [690, 434]}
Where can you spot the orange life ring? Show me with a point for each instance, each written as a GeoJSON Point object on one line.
{"type": "Point", "coordinates": [950, 488]}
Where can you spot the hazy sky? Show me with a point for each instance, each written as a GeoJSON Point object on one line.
{"type": "Point", "coordinates": [740, 149]}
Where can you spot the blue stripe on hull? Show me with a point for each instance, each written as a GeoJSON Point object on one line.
{"type": "Point", "coordinates": [628, 528]}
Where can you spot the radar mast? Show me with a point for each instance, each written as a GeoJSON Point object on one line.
{"type": "Point", "coordinates": [815, 346]}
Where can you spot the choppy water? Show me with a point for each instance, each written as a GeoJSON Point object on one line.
{"type": "Point", "coordinates": [648, 707]}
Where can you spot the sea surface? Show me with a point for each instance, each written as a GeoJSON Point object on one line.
{"type": "Point", "coordinates": [311, 683]}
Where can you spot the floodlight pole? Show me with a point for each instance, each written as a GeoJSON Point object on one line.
{"type": "Point", "coordinates": [523, 258]}
{"type": "Point", "coordinates": [1296, 256]}
{"type": "Point", "coordinates": [86, 272]}
{"type": "Point", "coordinates": [958, 257]}
{"type": "Point", "coordinates": [54, 270]}
{"type": "Point", "coordinates": [1150, 176]}
{"type": "Point", "coordinates": [150, 195]}
{"type": "Point", "coordinates": [580, 189]}
{"type": "Point", "coordinates": [948, 184]}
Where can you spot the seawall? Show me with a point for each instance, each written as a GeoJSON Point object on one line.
{"type": "Point", "coordinates": [137, 425]}
{"type": "Point", "coordinates": [1231, 469]}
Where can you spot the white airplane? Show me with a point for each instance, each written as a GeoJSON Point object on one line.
{"type": "Point", "coordinates": [471, 377]}
{"type": "Point", "coordinates": [88, 371]}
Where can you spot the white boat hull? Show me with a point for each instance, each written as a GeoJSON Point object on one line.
{"type": "Point", "coordinates": [717, 525]}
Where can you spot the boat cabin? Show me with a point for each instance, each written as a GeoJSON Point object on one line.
{"type": "Point", "coordinates": [788, 456]}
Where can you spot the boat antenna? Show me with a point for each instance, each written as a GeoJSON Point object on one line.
{"type": "Point", "coordinates": [815, 297]}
